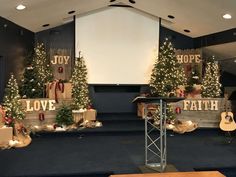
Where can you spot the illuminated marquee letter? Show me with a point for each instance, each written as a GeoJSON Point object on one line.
{"type": "Point", "coordinates": [186, 104]}
{"type": "Point", "coordinates": [214, 105]}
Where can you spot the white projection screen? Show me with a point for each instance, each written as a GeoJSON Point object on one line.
{"type": "Point", "coordinates": [118, 44]}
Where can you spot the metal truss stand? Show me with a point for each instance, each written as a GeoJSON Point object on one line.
{"type": "Point", "coordinates": [155, 135]}
{"type": "Point", "coordinates": [155, 139]}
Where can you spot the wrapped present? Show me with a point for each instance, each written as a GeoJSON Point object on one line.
{"type": "Point", "coordinates": [6, 134]}
{"type": "Point", "coordinates": [150, 108]}
{"type": "Point", "coordinates": [2, 116]}
{"type": "Point", "coordinates": [90, 115]}
{"type": "Point", "coordinates": [59, 90]}
{"type": "Point", "coordinates": [140, 109]}
{"type": "Point", "coordinates": [78, 115]}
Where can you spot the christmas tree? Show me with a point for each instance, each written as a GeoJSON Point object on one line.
{"type": "Point", "coordinates": [80, 90]}
{"type": "Point", "coordinates": [167, 73]}
{"type": "Point", "coordinates": [64, 116]}
{"type": "Point", "coordinates": [30, 86]}
{"type": "Point", "coordinates": [11, 101]}
{"type": "Point", "coordinates": [210, 84]}
{"type": "Point", "coordinates": [42, 68]}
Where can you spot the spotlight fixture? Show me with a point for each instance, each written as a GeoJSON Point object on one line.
{"type": "Point", "coordinates": [71, 12]}
{"type": "Point", "coordinates": [45, 25]}
{"type": "Point", "coordinates": [227, 16]}
{"type": "Point", "coordinates": [20, 7]}
{"type": "Point", "coordinates": [187, 31]}
{"type": "Point", "coordinates": [171, 16]}
{"type": "Point", "coordinates": [132, 1]}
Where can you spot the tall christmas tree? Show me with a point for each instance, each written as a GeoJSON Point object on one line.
{"type": "Point", "coordinates": [210, 84]}
{"type": "Point", "coordinates": [42, 67]}
{"type": "Point", "coordinates": [80, 90]}
{"type": "Point", "coordinates": [11, 101]}
{"type": "Point", "coordinates": [30, 86]}
{"type": "Point", "coordinates": [167, 73]}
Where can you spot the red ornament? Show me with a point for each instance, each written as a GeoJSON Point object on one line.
{"type": "Point", "coordinates": [89, 107]}
{"type": "Point", "coordinates": [177, 110]}
{"type": "Point", "coordinates": [56, 125]}
{"type": "Point", "coordinates": [41, 117]}
{"type": "Point", "coordinates": [60, 69]}
{"type": "Point", "coordinates": [8, 120]}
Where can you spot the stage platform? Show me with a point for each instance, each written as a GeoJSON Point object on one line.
{"type": "Point", "coordinates": [115, 148]}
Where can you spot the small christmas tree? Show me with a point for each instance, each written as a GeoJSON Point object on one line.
{"type": "Point", "coordinates": [11, 101]}
{"type": "Point", "coordinates": [30, 86]}
{"type": "Point", "coordinates": [42, 67]}
{"type": "Point", "coordinates": [64, 116]}
{"type": "Point", "coordinates": [167, 73]}
{"type": "Point", "coordinates": [80, 90]}
{"type": "Point", "coordinates": [210, 84]}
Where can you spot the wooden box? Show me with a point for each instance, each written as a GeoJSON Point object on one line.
{"type": "Point", "coordinates": [90, 115]}
{"type": "Point", "coordinates": [78, 115]}
{"type": "Point", "coordinates": [6, 134]}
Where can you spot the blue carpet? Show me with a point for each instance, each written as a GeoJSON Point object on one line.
{"type": "Point", "coordinates": [115, 148]}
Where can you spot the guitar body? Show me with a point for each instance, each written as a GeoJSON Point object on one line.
{"type": "Point", "coordinates": [227, 122]}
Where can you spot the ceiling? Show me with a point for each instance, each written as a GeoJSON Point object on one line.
{"type": "Point", "coordinates": [201, 17]}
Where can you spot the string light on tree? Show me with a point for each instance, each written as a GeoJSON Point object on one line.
{"type": "Point", "coordinates": [211, 84]}
{"type": "Point", "coordinates": [11, 100]}
{"type": "Point", "coordinates": [30, 81]}
{"type": "Point", "coordinates": [42, 65]}
{"type": "Point", "coordinates": [80, 90]}
{"type": "Point", "coordinates": [167, 74]}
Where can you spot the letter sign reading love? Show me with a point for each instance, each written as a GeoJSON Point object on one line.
{"type": "Point", "coordinates": [36, 105]}
{"type": "Point", "coordinates": [60, 59]}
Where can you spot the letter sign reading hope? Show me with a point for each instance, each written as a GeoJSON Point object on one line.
{"type": "Point", "coordinates": [36, 105]}
{"type": "Point", "coordinates": [60, 59]}
{"type": "Point", "coordinates": [189, 58]}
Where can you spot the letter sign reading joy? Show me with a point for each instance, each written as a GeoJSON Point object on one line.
{"type": "Point", "coordinates": [60, 59]}
{"type": "Point", "coordinates": [36, 105]}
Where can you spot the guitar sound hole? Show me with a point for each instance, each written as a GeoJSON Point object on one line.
{"type": "Point", "coordinates": [228, 118]}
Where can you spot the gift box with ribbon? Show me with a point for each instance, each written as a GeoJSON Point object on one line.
{"type": "Point", "coordinates": [59, 90]}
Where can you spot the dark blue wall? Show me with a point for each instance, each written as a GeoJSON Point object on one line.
{"type": "Point", "coordinates": [15, 43]}
{"type": "Point", "coordinates": [59, 37]}
{"type": "Point", "coordinates": [178, 40]}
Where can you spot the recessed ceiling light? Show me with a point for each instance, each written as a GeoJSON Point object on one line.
{"type": "Point", "coordinates": [132, 1]}
{"type": "Point", "coordinates": [187, 31]}
{"type": "Point", "coordinates": [171, 16]}
{"type": "Point", "coordinates": [227, 16]}
{"type": "Point", "coordinates": [45, 25]}
{"type": "Point", "coordinates": [71, 12]}
{"type": "Point", "coordinates": [20, 7]}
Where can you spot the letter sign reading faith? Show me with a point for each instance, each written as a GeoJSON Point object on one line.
{"type": "Point", "coordinates": [200, 105]}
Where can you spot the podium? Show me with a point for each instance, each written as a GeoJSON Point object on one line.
{"type": "Point", "coordinates": [155, 135]}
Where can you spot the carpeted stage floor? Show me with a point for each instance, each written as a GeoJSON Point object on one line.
{"type": "Point", "coordinates": [116, 148]}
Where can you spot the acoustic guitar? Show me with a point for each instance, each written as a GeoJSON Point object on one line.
{"type": "Point", "coordinates": [227, 122]}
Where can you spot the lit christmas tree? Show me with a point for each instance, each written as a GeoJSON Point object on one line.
{"type": "Point", "coordinates": [11, 101]}
{"type": "Point", "coordinates": [42, 66]}
{"type": "Point", "coordinates": [211, 84]}
{"type": "Point", "coordinates": [167, 73]}
{"type": "Point", "coordinates": [30, 86]}
{"type": "Point", "coordinates": [80, 90]}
